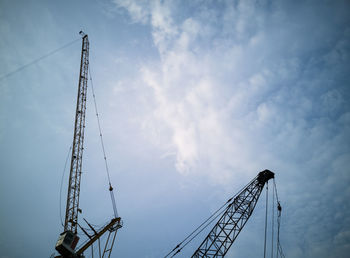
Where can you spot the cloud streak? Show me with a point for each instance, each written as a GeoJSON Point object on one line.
{"type": "Point", "coordinates": [243, 85]}
{"type": "Point", "coordinates": [240, 76]}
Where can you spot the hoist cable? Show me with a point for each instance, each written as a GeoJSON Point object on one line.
{"type": "Point", "coordinates": [279, 247]}
{"type": "Point", "coordinates": [99, 127]}
{"type": "Point", "coordinates": [278, 235]}
{"type": "Point", "coordinates": [267, 201]}
{"type": "Point", "coordinates": [63, 173]}
{"type": "Point", "coordinates": [279, 210]}
{"type": "Point", "coordinates": [103, 148]}
{"type": "Point", "coordinates": [37, 60]}
{"type": "Point", "coordinates": [273, 219]}
{"type": "Point", "coordinates": [274, 183]}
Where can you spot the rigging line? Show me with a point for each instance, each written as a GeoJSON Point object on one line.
{"type": "Point", "coordinates": [279, 250]}
{"type": "Point", "coordinates": [198, 229]}
{"type": "Point", "coordinates": [179, 250]}
{"type": "Point", "coordinates": [37, 60]}
{"type": "Point", "coordinates": [278, 234]}
{"type": "Point", "coordinates": [64, 170]}
{"type": "Point", "coordinates": [278, 218]}
{"type": "Point", "coordinates": [275, 188]}
{"type": "Point", "coordinates": [99, 128]}
{"type": "Point", "coordinates": [279, 247]}
{"type": "Point", "coordinates": [103, 148]}
{"type": "Point", "coordinates": [219, 214]}
{"type": "Point", "coordinates": [279, 210]}
{"type": "Point", "coordinates": [273, 219]}
{"type": "Point", "coordinates": [267, 198]}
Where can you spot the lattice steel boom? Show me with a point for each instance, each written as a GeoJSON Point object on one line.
{"type": "Point", "coordinates": [226, 230]}
{"type": "Point", "coordinates": [69, 238]}
{"type": "Point", "coordinates": [72, 207]}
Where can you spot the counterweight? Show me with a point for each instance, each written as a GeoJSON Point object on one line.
{"type": "Point", "coordinates": [72, 207]}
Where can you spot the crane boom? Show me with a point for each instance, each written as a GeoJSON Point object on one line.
{"type": "Point", "coordinates": [237, 213]}
{"type": "Point", "coordinates": [69, 238]}
{"type": "Point", "coordinates": [72, 207]}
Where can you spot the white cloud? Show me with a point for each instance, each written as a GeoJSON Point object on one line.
{"type": "Point", "coordinates": [201, 92]}
{"type": "Point", "coordinates": [241, 87]}
{"type": "Point", "coordinates": [137, 9]}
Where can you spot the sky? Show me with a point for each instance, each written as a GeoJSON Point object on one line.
{"type": "Point", "coordinates": [195, 98]}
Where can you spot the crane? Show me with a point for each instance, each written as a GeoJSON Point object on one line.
{"type": "Point", "coordinates": [234, 217]}
{"type": "Point", "coordinates": [68, 239]}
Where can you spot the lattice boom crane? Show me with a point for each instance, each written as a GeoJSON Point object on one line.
{"type": "Point", "coordinates": [68, 240]}
{"type": "Point", "coordinates": [72, 208]}
{"type": "Point", "coordinates": [237, 213]}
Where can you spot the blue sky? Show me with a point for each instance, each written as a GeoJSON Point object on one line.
{"type": "Point", "coordinates": [196, 97]}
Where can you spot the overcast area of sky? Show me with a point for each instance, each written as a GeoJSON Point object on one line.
{"type": "Point", "coordinates": [196, 97]}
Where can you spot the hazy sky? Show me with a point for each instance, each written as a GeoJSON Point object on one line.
{"type": "Point", "coordinates": [196, 97]}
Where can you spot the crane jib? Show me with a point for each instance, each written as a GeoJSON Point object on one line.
{"type": "Point", "coordinates": [67, 242]}
{"type": "Point", "coordinates": [230, 224]}
{"type": "Point", "coordinates": [72, 206]}
{"type": "Point", "coordinates": [69, 239]}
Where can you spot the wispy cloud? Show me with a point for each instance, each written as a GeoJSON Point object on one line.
{"type": "Point", "coordinates": [138, 10]}
{"type": "Point", "coordinates": [244, 85]}
{"type": "Point", "coordinates": [228, 73]}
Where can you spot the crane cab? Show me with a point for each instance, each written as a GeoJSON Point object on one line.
{"type": "Point", "coordinates": [66, 243]}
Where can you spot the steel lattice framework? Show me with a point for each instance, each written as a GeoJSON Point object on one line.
{"type": "Point", "coordinates": [224, 233]}
{"type": "Point", "coordinates": [72, 207]}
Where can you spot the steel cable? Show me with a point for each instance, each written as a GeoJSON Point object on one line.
{"type": "Point", "coordinates": [267, 200]}
{"type": "Point", "coordinates": [103, 148]}
{"type": "Point", "coordinates": [194, 231]}
{"type": "Point", "coordinates": [37, 60]}
{"type": "Point", "coordinates": [273, 219]}
{"type": "Point", "coordinates": [64, 171]}
{"type": "Point", "coordinates": [279, 250]}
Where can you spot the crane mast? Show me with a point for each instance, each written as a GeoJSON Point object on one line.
{"type": "Point", "coordinates": [68, 239]}
{"type": "Point", "coordinates": [230, 224]}
{"type": "Point", "coordinates": [72, 206]}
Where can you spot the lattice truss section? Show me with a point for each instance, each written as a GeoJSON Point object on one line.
{"type": "Point", "coordinates": [72, 208]}
{"type": "Point", "coordinates": [223, 234]}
